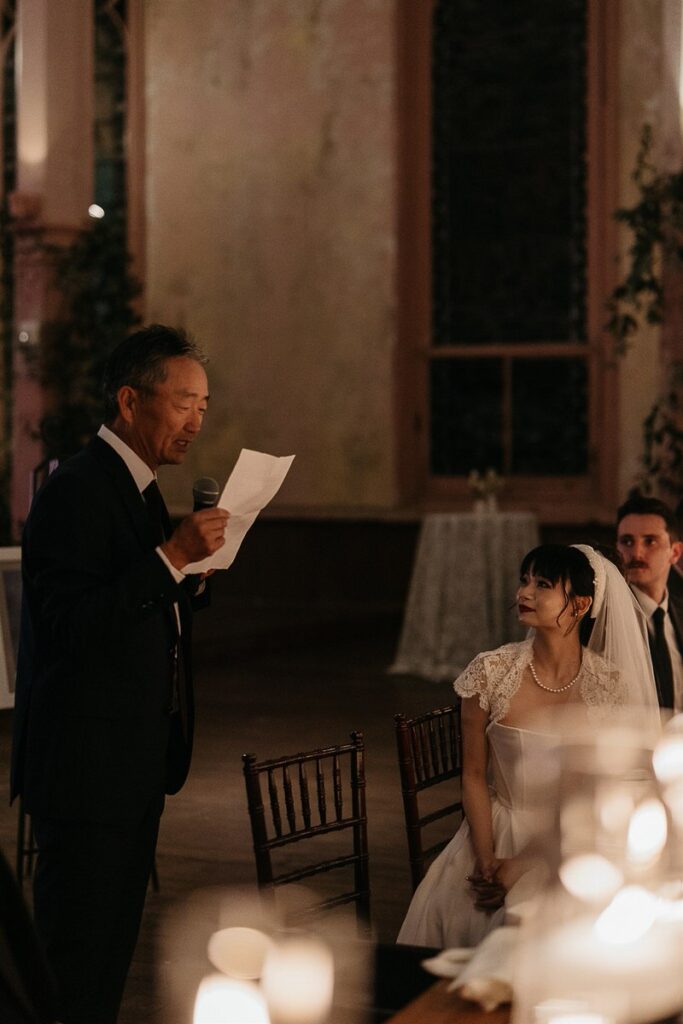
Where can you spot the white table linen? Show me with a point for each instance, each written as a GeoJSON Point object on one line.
{"type": "Point", "coordinates": [462, 590]}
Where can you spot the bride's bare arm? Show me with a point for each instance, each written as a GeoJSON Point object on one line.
{"type": "Point", "coordinates": [475, 791]}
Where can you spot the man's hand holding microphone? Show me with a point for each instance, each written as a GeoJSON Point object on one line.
{"type": "Point", "coordinates": [202, 532]}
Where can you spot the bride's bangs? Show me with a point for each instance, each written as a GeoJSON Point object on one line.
{"type": "Point", "coordinates": [548, 561]}
{"type": "Point", "coordinates": [554, 562]}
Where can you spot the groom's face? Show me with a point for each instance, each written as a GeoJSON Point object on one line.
{"type": "Point", "coordinates": [648, 552]}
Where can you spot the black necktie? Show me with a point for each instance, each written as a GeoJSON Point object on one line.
{"type": "Point", "coordinates": [661, 660]}
{"type": "Point", "coordinates": [157, 511]}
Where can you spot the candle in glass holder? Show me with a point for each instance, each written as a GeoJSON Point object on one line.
{"type": "Point", "coordinates": [298, 981]}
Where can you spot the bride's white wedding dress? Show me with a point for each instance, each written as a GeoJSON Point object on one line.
{"type": "Point", "coordinates": [442, 911]}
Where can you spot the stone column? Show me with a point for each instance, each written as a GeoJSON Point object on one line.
{"type": "Point", "coordinates": [54, 189]}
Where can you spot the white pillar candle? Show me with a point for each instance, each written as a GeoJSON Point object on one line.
{"type": "Point", "coordinates": [298, 982]}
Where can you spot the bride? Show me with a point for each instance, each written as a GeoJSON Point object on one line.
{"type": "Point", "coordinates": [587, 647]}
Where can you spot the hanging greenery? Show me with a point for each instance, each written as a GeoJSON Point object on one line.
{"type": "Point", "coordinates": [97, 287]}
{"type": "Point", "coordinates": [656, 223]}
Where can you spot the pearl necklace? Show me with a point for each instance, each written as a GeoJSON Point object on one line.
{"type": "Point", "coordinates": [551, 689]}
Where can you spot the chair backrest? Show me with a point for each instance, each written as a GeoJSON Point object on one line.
{"type": "Point", "coordinates": [429, 754]}
{"type": "Point", "coordinates": [309, 795]}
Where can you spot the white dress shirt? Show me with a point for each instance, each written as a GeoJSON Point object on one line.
{"type": "Point", "coordinates": [142, 476]}
{"type": "Point", "coordinates": [649, 607]}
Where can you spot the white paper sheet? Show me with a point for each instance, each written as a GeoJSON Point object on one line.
{"type": "Point", "coordinates": [255, 480]}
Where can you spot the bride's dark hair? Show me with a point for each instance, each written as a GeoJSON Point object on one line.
{"type": "Point", "coordinates": [561, 563]}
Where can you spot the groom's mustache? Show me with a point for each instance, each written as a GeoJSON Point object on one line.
{"type": "Point", "coordinates": [636, 565]}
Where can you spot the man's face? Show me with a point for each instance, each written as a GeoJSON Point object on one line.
{"type": "Point", "coordinates": [648, 552]}
{"type": "Point", "coordinates": [164, 424]}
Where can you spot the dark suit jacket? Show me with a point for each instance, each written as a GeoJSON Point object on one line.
{"type": "Point", "coordinates": [675, 589]}
{"type": "Point", "coordinates": [93, 736]}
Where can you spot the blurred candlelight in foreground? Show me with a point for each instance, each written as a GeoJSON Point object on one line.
{"type": "Point", "coordinates": [222, 1000]}
{"type": "Point", "coordinates": [239, 952]}
{"type": "Point", "coordinates": [298, 981]}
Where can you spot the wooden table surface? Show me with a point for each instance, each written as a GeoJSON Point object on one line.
{"type": "Point", "coordinates": [439, 1006]}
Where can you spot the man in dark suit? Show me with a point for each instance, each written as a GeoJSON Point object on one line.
{"type": "Point", "coordinates": [27, 994]}
{"type": "Point", "coordinates": [649, 544]}
{"type": "Point", "coordinates": [103, 720]}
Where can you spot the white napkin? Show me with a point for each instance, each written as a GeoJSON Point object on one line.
{"type": "Point", "coordinates": [482, 975]}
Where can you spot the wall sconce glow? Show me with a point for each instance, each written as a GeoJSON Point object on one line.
{"type": "Point", "coordinates": [239, 952]}
{"type": "Point", "coordinates": [298, 982]}
{"type": "Point", "coordinates": [222, 1000]}
{"type": "Point", "coordinates": [629, 916]}
{"type": "Point", "coordinates": [96, 211]}
{"type": "Point", "coordinates": [647, 832]}
{"type": "Point", "coordinates": [590, 877]}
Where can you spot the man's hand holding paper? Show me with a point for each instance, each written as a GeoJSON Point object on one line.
{"type": "Point", "coordinates": [254, 481]}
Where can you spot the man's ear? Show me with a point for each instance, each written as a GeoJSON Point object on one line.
{"type": "Point", "coordinates": [676, 550]}
{"type": "Point", "coordinates": [127, 399]}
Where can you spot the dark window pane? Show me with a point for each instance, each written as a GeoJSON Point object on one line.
{"type": "Point", "coordinates": [549, 417]}
{"type": "Point", "coordinates": [509, 170]}
{"type": "Point", "coordinates": [466, 415]}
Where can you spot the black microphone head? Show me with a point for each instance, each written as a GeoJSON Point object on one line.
{"type": "Point", "coordinates": [205, 493]}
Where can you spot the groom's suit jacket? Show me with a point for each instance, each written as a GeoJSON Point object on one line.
{"type": "Point", "coordinates": [95, 735]}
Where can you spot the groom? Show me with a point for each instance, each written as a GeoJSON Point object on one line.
{"type": "Point", "coordinates": [648, 540]}
{"type": "Point", "coordinates": [103, 721]}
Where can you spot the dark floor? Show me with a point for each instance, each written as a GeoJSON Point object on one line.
{"type": "Point", "coordinates": [270, 689]}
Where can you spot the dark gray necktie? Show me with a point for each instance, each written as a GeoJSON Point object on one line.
{"type": "Point", "coordinates": [661, 661]}
{"type": "Point", "coordinates": [157, 512]}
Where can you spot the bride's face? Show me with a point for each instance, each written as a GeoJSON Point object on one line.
{"type": "Point", "coordinates": [543, 604]}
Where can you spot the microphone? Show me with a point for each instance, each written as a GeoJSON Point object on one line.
{"type": "Point", "coordinates": [205, 493]}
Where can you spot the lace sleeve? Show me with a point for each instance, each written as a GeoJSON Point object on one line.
{"type": "Point", "coordinates": [603, 689]}
{"type": "Point", "coordinates": [495, 676]}
{"type": "Point", "coordinates": [474, 680]}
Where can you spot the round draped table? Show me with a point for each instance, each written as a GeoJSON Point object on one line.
{"type": "Point", "coordinates": [462, 590]}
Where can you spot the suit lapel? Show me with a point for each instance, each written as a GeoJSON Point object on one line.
{"type": "Point", "coordinates": [114, 466]}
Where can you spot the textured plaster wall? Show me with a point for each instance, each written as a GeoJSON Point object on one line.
{"type": "Point", "coordinates": [271, 231]}
{"type": "Point", "coordinates": [648, 93]}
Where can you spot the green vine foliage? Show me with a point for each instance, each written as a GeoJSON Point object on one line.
{"type": "Point", "coordinates": [98, 289]}
{"type": "Point", "coordinates": [656, 224]}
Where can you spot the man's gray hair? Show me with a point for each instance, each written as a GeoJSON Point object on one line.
{"type": "Point", "coordinates": [140, 362]}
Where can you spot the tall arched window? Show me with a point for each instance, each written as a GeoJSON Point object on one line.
{"type": "Point", "coordinates": [511, 368]}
